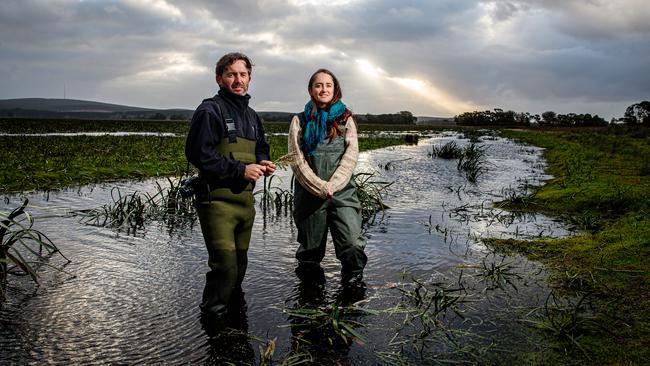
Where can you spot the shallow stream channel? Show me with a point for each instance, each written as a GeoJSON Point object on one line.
{"type": "Point", "coordinates": [432, 292]}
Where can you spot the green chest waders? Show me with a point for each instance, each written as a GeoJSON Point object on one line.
{"type": "Point", "coordinates": [341, 215]}
{"type": "Point", "coordinates": [226, 216]}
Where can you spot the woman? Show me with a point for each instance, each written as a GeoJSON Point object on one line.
{"type": "Point", "coordinates": [324, 149]}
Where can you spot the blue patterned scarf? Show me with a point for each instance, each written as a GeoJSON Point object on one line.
{"type": "Point", "coordinates": [316, 129]}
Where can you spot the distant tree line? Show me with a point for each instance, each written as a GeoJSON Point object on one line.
{"type": "Point", "coordinates": [402, 118]}
{"type": "Point", "coordinates": [276, 116]}
{"type": "Point", "coordinates": [497, 117]}
{"type": "Point", "coordinates": [636, 114]}
{"type": "Point", "coordinates": [551, 119]}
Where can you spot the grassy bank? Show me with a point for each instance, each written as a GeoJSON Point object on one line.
{"type": "Point", "coordinates": [601, 185]}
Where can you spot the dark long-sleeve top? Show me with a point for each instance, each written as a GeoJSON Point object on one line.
{"type": "Point", "coordinates": [208, 129]}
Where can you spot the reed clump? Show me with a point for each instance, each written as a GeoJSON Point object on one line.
{"type": "Point", "coordinates": [473, 162]}
{"type": "Point", "coordinates": [133, 210]}
{"type": "Point", "coordinates": [22, 248]}
{"type": "Point", "coordinates": [371, 196]}
{"type": "Point", "coordinates": [566, 319]}
{"type": "Point", "coordinates": [450, 150]}
{"type": "Point", "coordinates": [275, 197]}
{"type": "Point", "coordinates": [334, 323]}
{"type": "Point", "coordinates": [472, 159]}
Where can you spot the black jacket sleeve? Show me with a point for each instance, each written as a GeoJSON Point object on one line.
{"type": "Point", "coordinates": [262, 149]}
{"type": "Point", "coordinates": [206, 132]}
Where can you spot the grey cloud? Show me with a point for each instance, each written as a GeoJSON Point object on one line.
{"type": "Point", "coordinates": [594, 19]}
{"type": "Point", "coordinates": [553, 53]}
{"type": "Point", "coordinates": [504, 10]}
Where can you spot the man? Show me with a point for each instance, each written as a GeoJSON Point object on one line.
{"type": "Point", "coordinates": [226, 143]}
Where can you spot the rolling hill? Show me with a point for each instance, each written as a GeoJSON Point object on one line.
{"type": "Point", "coordinates": [73, 108]}
{"type": "Point", "coordinates": [86, 109]}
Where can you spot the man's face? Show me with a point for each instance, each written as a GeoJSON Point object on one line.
{"type": "Point", "coordinates": [235, 78]}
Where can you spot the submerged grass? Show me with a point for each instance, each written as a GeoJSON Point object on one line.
{"type": "Point", "coordinates": [22, 248]}
{"type": "Point", "coordinates": [599, 181]}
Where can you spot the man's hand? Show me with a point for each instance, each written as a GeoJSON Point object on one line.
{"type": "Point", "coordinates": [270, 167]}
{"type": "Point", "coordinates": [253, 172]}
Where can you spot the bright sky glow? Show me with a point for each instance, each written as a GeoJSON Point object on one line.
{"type": "Point", "coordinates": [322, 2]}
{"type": "Point", "coordinates": [171, 66]}
{"type": "Point", "coordinates": [420, 89]}
{"type": "Point", "coordinates": [366, 67]}
{"type": "Point", "coordinates": [160, 7]}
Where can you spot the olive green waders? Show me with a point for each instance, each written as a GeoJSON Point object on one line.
{"type": "Point", "coordinates": [341, 214]}
{"type": "Point", "coordinates": [226, 216]}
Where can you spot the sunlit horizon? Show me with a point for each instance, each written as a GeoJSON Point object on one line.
{"type": "Point", "coordinates": [422, 89]}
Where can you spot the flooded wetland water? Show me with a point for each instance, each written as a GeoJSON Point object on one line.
{"type": "Point", "coordinates": [432, 292]}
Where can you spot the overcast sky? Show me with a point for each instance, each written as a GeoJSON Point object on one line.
{"type": "Point", "coordinates": [436, 58]}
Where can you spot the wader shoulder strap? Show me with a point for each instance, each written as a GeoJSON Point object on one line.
{"type": "Point", "coordinates": [230, 123]}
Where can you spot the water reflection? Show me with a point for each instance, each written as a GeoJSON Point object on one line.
{"type": "Point", "coordinates": [228, 338]}
{"type": "Point", "coordinates": [323, 328]}
{"type": "Point", "coordinates": [135, 299]}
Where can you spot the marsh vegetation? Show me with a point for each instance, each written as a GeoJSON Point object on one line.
{"type": "Point", "coordinates": [446, 282]}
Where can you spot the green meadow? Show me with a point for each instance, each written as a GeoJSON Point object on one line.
{"type": "Point", "coordinates": [51, 162]}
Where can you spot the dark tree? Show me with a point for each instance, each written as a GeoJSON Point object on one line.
{"type": "Point", "coordinates": [638, 114]}
{"type": "Point", "coordinates": [549, 118]}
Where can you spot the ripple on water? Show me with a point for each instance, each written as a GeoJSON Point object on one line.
{"type": "Point", "coordinates": [134, 299]}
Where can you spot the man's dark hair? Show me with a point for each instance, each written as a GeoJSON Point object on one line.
{"type": "Point", "coordinates": [230, 59]}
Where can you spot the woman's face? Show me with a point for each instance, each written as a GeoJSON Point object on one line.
{"type": "Point", "coordinates": [322, 89]}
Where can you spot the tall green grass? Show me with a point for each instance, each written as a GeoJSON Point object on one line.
{"type": "Point", "coordinates": [48, 162]}
{"type": "Point", "coordinates": [39, 162]}
{"type": "Point", "coordinates": [31, 125]}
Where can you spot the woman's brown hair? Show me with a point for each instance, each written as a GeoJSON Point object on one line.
{"type": "Point", "coordinates": [333, 127]}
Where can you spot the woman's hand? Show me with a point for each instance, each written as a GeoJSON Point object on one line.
{"type": "Point", "coordinates": [330, 192]}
